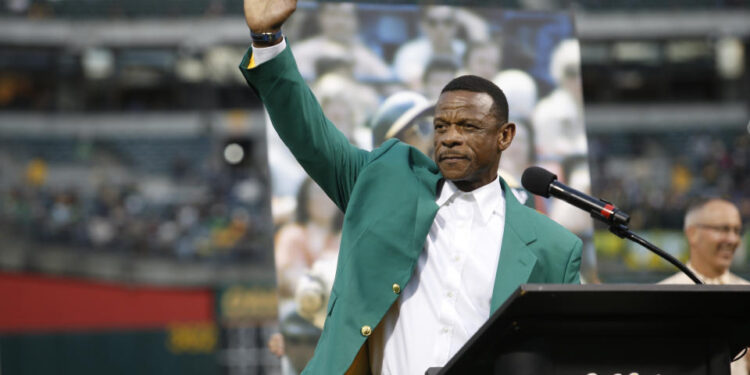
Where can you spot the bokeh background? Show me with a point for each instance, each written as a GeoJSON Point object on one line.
{"type": "Point", "coordinates": [136, 220]}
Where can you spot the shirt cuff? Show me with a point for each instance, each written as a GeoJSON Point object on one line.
{"type": "Point", "coordinates": [263, 54]}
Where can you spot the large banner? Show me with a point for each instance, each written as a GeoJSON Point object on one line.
{"type": "Point", "coordinates": [377, 71]}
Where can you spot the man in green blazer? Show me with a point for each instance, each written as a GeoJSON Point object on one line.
{"type": "Point", "coordinates": [389, 295]}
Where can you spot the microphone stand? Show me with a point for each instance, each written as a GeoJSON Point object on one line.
{"type": "Point", "coordinates": [623, 232]}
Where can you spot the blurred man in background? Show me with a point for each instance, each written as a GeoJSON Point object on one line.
{"type": "Point", "coordinates": [440, 27]}
{"type": "Point", "coordinates": [713, 229]}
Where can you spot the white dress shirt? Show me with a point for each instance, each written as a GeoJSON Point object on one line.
{"type": "Point", "coordinates": [448, 297]}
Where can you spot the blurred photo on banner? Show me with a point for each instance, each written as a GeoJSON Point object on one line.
{"type": "Point", "coordinates": [377, 71]}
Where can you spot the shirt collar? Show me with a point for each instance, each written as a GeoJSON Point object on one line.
{"type": "Point", "coordinates": [489, 197]}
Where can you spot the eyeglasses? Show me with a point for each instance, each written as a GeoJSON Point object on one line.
{"type": "Point", "coordinates": [723, 229]}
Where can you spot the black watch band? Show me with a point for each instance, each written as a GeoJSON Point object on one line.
{"type": "Point", "coordinates": [266, 38]}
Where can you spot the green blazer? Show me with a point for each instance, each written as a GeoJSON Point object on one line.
{"type": "Point", "coordinates": [388, 197]}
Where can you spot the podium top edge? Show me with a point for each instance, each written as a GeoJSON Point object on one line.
{"type": "Point", "coordinates": [629, 299]}
{"type": "Point", "coordinates": [636, 288]}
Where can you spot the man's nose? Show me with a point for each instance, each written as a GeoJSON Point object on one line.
{"type": "Point", "coordinates": [452, 136]}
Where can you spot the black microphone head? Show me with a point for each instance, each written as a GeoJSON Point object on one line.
{"type": "Point", "coordinates": [537, 180]}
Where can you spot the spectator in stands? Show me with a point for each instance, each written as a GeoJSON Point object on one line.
{"type": "Point", "coordinates": [483, 58]}
{"type": "Point", "coordinates": [558, 118]}
{"type": "Point", "coordinates": [306, 253]}
{"type": "Point", "coordinates": [36, 172]}
{"type": "Point", "coordinates": [339, 38]}
{"type": "Point", "coordinates": [348, 101]}
{"type": "Point", "coordinates": [713, 229]}
{"type": "Point", "coordinates": [438, 72]}
{"type": "Point", "coordinates": [405, 115]}
{"type": "Point", "coordinates": [521, 91]}
{"type": "Point", "coordinates": [315, 231]}
{"type": "Point", "coordinates": [519, 156]}
{"type": "Point", "coordinates": [439, 39]}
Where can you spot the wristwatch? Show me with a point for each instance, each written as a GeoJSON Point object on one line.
{"type": "Point", "coordinates": [266, 38]}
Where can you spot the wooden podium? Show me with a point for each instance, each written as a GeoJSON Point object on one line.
{"type": "Point", "coordinates": [546, 329]}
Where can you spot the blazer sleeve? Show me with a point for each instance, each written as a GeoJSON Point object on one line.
{"type": "Point", "coordinates": [573, 266]}
{"type": "Point", "coordinates": [323, 151]}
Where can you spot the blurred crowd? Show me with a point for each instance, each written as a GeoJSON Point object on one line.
{"type": "Point", "coordinates": [354, 58]}
{"type": "Point", "coordinates": [116, 9]}
{"type": "Point", "coordinates": [102, 203]}
{"type": "Point", "coordinates": [654, 178]}
{"type": "Point", "coordinates": [183, 8]}
{"type": "Point", "coordinates": [352, 72]}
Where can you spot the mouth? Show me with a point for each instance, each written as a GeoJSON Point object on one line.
{"type": "Point", "coordinates": [726, 251]}
{"type": "Point", "coordinates": [452, 157]}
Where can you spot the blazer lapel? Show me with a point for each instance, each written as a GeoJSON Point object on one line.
{"type": "Point", "coordinates": [516, 260]}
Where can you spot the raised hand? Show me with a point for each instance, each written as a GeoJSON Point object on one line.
{"type": "Point", "coordinates": [268, 15]}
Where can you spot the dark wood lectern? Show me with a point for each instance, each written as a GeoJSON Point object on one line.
{"type": "Point", "coordinates": [610, 329]}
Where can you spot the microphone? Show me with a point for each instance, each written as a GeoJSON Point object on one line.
{"type": "Point", "coordinates": [542, 182]}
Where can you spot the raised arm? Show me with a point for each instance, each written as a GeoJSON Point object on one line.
{"type": "Point", "coordinates": [322, 150]}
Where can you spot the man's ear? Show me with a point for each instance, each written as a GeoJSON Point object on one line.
{"type": "Point", "coordinates": [505, 135]}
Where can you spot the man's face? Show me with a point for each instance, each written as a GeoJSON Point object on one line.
{"type": "Point", "coordinates": [439, 24]}
{"type": "Point", "coordinates": [338, 21]}
{"type": "Point", "coordinates": [468, 138]}
{"type": "Point", "coordinates": [715, 236]}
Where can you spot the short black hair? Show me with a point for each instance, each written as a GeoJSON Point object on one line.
{"type": "Point", "coordinates": [478, 84]}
